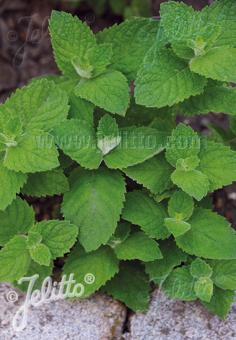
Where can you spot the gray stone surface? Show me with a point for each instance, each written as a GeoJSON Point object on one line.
{"type": "Point", "coordinates": [97, 318]}
{"type": "Point", "coordinates": [175, 320]}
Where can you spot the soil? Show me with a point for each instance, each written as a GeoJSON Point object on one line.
{"type": "Point", "coordinates": [25, 53]}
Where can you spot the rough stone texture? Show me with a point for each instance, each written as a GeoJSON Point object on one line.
{"type": "Point", "coordinates": [97, 318]}
{"type": "Point", "coordinates": [175, 320]}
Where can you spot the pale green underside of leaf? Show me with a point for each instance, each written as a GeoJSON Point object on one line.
{"type": "Point", "coordinates": [94, 204]}
{"type": "Point", "coordinates": [210, 236]}
{"type": "Point", "coordinates": [172, 256]}
{"type": "Point", "coordinates": [136, 146]}
{"type": "Point", "coordinates": [77, 139]}
{"type": "Point", "coordinates": [165, 80]}
{"type": "Point", "coordinates": [138, 246]}
{"type": "Point", "coordinates": [130, 41]}
{"type": "Point", "coordinates": [153, 174]}
{"type": "Point", "coordinates": [46, 184]}
{"type": "Point", "coordinates": [213, 99]}
{"type": "Point", "coordinates": [218, 63]}
{"type": "Point", "coordinates": [221, 302]}
{"type": "Point", "coordinates": [58, 236]}
{"type": "Point", "coordinates": [11, 183]}
{"type": "Point", "coordinates": [193, 182]}
{"type": "Point", "coordinates": [130, 286]}
{"type": "Point", "coordinates": [34, 152]}
{"type": "Point", "coordinates": [179, 285]}
{"type": "Point", "coordinates": [14, 259]}
{"type": "Point", "coordinates": [101, 263]}
{"type": "Point", "coordinates": [143, 211]}
{"type": "Point", "coordinates": [218, 162]}
{"type": "Point", "coordinates": [18, 218]}
{"type": "Point", "coordinates": [110, 91]}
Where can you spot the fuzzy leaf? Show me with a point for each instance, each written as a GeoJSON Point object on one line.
{"type": "Point", "coordinates": [138, 246]}
{"type": "Point", "coordinates": [199, 268]}
{"type": "Point", "coordinates": [210, 236]}
{"type": "Point", "coordinates": [177, 227]}
{"type": "Point", "coordinates": [143, 211]}
{"type": "Point", "coordinates": [165, 80]}
{"type": "Point", "coordinates": [224, 274]}
{"type": "Point", "coordinates": [203, 288]}
{"type": "Point", "coordinates": [102, 264]}
{"type": "Point", "coordinates": [108, 137]}
{"type": "Point", "coordinates": [180, 205]}
{"type": "Point", "coordinates": [41, 254]}
{"type": "Point", "coordinates": [18, 218]}
{"type": "Point", "coordinates": [94, 204]}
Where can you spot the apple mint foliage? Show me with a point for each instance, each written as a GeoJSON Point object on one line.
{"type": "Point", "coordinates": [131, 176]}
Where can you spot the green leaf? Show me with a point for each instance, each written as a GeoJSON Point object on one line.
{"type": "Point", "coordinates": [11, 183]}
{"type": "Point", "coordinates": [172, 257]}
{"type": "Point", "coordinates": [193, 182]}
{"type": "Point", "coordinates": [14, 259]}
{"type": "Point", "coordinates": [94, 204]}
{"type": "Point", "coordinates": [33, 152]}
{"type": "Point", "coordinates": [108, 137]}
{"type": "Point", "coordinates": [41, 254]}
{"type": "Point", "coordinates": [137, 145]}
{"type": "Point", "coordinates": [164, 80]}
{"type": "Point", "coordinates": [34, 238]}
{"type": "Point", "coordinates": [130, 286]}
{"type": "Point", "coordinates": [180, 205]}
{"type": "Point", "coordinates": [130, 41]}
{"type": "Point", "coordinates": [110, 91]}
{"type": "Point", "coordinates": [138, 246]}
{"type": "Point", "coordinates": [153, 174]}
{"type": "Point", "coordinates": [224, 274]}
{"type": "Point", "coordinates": [121, 234]}
{"type": "Point", "coordinates": [214, 99]}
{"type": "Point", "coordinates": [177, 227]}
{"type": "Point", "coordinates": [215, 157]}
{"type": "Point", "coordinates": [221, 302]}
{"type": "Point", "coordinates": [199, 268]}
{"type": "Point", "coordinates": [183, 143]}
{"type": "Point", "coordinates": [102, 264]}
{"type": "Point", "coordinates": [188, 164]}
{"type": "Point", "coordinates": [71, 38]}
{"type": "Point", "coordinates": [179, 285]}
{"type": "Point", "coordinates": [46, 184]}
{"type": "Point", "coordinates": [143, 211]}
{"type": "Point", "coordinates": [81, 109]}
{"type": "Point", "coordinates": [18, 218]}
{"type": "Point", "coordinates": [210, 237]}
{"type": "Point", "coordinates": [218, 63]}
{"type": "Point", "coordinates": [58, 236]}
{"type": "Point", "coordinates": [40, 106]}
{"type": "Point", "coordinates": [77, 139]}
{"type": "Point", "coordinates": [203, 288]}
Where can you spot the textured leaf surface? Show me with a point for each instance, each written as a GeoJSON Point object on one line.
{"type": "Point", "coordinates": [130, 286]}
{"type": "Point", "coordinates": [210, 236]}
{"type": "Point", "coordinates": [180, 205]}
{"type": "Point", "coordinates": [11, 183]}
{"type": "Point", "coordinates": [94, 204]}
{"type": "Point", "coordinates": [153, 174]}
{"type": "Point", "coordinates": [109, 91]}
{"type": "Point", "coordinates": [58, 236]}
{"type": "Point", "coordinates": [46, 184]}
{"type": "Point", "coordinates": [14, 259]}
{"type": "Point", "coordinates": [224, 274]}
{"type": "Point", "coordinates": [203, 288]}
{"type": "Point", "coordinates": [41, 254]}
{"type": "Point", "coordinates": [180, 285]}
{"type": "Point", "coordinates": [136, 146]}
{"type": "Point", "coordinates": [172, 256]}
{"type": "Point", "coordinates": [143, 211]}
{"type": "Point", "coordinates": [199, 268]}
{"type": "Point", "coordinates": [221, 302]}
{"type": "Point", "coordinates": [130, 41]}
{"type": "Point", "coordinates": [34, 152]}
{"type": "Point", "coordinates": [138, 246]}
{"type": "Point", "coordinates": [18, 218]}
{"type": "Point", "coordinates": [108, 137]}
{"type": "Point", "coordinates": [218, 162]}
{"type": "Point", "coordinates": [77, 139]}
{"type": "Point", "coordinates": [218, 63]}
{"type": "Point", "coordinates": [102, 264]}
{"type": "Point", "coordinates": [164, 80]}
{"type": "Point", "coordinates": [177, 227]}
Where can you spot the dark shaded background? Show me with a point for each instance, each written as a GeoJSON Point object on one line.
{"type": "Point", "coordinates": [25, 52]}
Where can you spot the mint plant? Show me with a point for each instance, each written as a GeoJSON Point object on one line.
{"type": "Point", "coordinates": [135, 185]}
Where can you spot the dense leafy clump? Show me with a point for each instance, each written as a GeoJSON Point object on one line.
{"type": "Point", "coordinates": [135, 184]}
